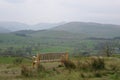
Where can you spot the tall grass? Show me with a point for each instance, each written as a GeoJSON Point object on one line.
{"type": "Point", "coordinates": [97, 63]}
{"type": "Point", "coordinates": [18, 61]}
{"type": "Point", "coordinates": [90, 68]}
{"type": "Point", "coordinates": [69, 64]}
{"type": "Point", "coordinates": [94, 63]}
{"type": "Point", "coordinates": [26, 72]}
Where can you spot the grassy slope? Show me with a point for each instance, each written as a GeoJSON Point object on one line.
{"type": "Point", "coordinates": [91, 29]}
{"type": "Point", "coordinates": [49, 41]}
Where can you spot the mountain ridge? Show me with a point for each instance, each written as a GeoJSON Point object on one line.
{"type": "Point", "coordinates": [17, 26]}
{"type": "Point", "coordinates": [87, 29]}
{"type": "Point", "coordinates": [91, 29]}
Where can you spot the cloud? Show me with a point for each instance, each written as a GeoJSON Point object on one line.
{"type": "Point", "coordinates": [33, 11]}
{"type": "Point", "coordinates": [14, 1]}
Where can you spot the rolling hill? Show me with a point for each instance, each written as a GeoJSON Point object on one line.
{"type": "Point", "coordinates": [79, 30]}
{"type": "Point", "coordinates": [69, 37]}
{"type": "Point", "coordinates": [90, 29]}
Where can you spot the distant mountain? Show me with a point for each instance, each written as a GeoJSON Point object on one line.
{"type": "Point", "coordinates": [90, 29]}
{"type": "Point", "coordinates": [44, 26]}
{"type": "Point", "coordinates": [3, 30]}
{"type": "Point", "coordinates": [16, 26]}
{"type": "Point", "coordinates": [81, 29]}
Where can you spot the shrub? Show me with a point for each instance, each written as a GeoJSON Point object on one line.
{"type": "Point", "coordinates": [60, 65]}
{"type": "Point", "coordinates": [69, 64]}
{"type": "Point", "coordinates": [42, 72]}
{"type": "Point", "coordinates": [25, 71]}
{"type": "Point", "coordinates": [97, 74]}
{"type": "Point", "coordinates": [83, 65]}
{"type": "Point", "coordinates": [114, 67]}
{"type": "Point", "coordinates": [40, 68]}
{"type": "Point", "coordinates": [97, 63]}
{"type": "Point", "coordinates": [56, 70]}
{"type": "Point", "coordinates": [82, 75]}
{"type": "Point", "coordinates": [116, 76]}
{"type": "Point", "coordinates": [85, 75]}
{"type": "Point", "coordinates": [18, 61]}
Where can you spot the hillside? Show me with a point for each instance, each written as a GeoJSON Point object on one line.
{"type": "Point", "coordinates": [90, 29]}
{"type": "Point", "coordinates": [72, 29]}
{"type": "Point", "coordinates": [71, 37]}
{"type": "Point", "coordinates": [77, 30]}
{"type": "Point", "coordinates": [44, 26]}
{"type": "Point", "coordinates": [56, 34]}
{"type": "Point", "coordinates": [3, 30]}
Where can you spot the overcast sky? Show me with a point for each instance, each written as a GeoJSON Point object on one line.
{"type": "Point", "coordinates": [35, 11]}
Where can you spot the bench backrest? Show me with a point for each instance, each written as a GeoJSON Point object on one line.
{"type": "Point", "coordinates": [49, 57]}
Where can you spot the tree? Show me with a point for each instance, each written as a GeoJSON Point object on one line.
{"type": "Point", "coordinates": [109, 47]}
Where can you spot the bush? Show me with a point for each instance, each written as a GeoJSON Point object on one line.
{"type": "Point", "coordinates": [25, 71]}
{"type": "Point", "coordinates": [60, 65]}
{"type": "Point", "coordinates": [40, 68]}
{"type": "Point", "coordinates": [116, 76]}
{"type": "Point", "coordinates": [83, 65]}
{"type": "Point", "coordinates": [42, 72]}
{"type": "Point", "coordinates": [56, 70]}
{"type": "Point", "coordinates": [98, 74]}
{"type": "Point", "coordinates": [18, 61]}
{"type": "Point", "coordinates": [69, 64]}
{"type": "Point", "coordinates": [97, 63]}
{"type": "Point", "coordinates": [114, 67]}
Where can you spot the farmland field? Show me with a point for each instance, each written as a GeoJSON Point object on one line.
{"type": "Point", "coordinates": [33, 44]}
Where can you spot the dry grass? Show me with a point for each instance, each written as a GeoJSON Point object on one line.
{"type": "Point", "coordinates": [83, 70]}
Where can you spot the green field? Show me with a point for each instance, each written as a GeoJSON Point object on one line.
{"type": "Point", "coordinates": [34, 43]}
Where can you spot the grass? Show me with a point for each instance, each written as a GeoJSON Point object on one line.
{"type": "Point", "coordinates": [11, 60]}
{"type": "Point", "coordinates": [57, 49]}
{"type": "Point", "coordinates": [54, 72]}
{"type": "Point", "coordinates": [6, 60]}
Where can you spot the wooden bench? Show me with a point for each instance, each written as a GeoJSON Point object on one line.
{"type": "Point", "coordinates": [49, 57]}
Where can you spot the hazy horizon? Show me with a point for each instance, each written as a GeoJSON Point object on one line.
{"type": "Point", "coordinates": [55, 11]}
